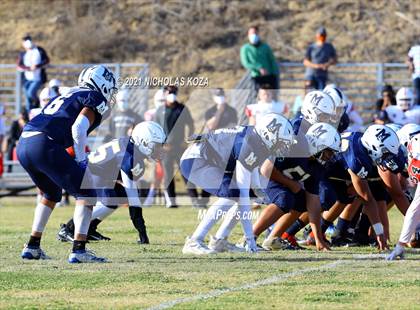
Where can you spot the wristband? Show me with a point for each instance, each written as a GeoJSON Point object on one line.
{"type": "Point", "coordinates": [378, 228]}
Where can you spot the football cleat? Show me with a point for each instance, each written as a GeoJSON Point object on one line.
{"type": "Point", "coordinates": [96, 236]}
{"type": "Point", "coordinates": [64, 234]}
{"type": "Point", "coordinates": [275, 244]}
{"type": "Point", "coordinates": [222, 245]}
{"type": "Point", "coordinates": [33, 253]}
{"type": "Point", "coordinates": [340, 241]}
{"type": "Point", "coordinates": [196, 247]}
{"type": "Point", "coordinates": [143, 239]}
{"type": "Point", "coordinates": [85, 256]}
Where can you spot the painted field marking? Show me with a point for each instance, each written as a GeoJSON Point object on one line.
{"type": "Point", "coordinates": [272, 280]}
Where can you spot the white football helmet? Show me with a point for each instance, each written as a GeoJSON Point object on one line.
{"type": "Point", "coordinates": [149, 138]}
{"type": "Point", "coordinates": [321, 137]}
{"type": "Point", "coordinates": [382, 145]}
{"type": "Point", "coordinates": [405, 98]}
{"type": "Point", "coordinates": [122, 99]}
{"type": "Point", "coordinates": [101, 79]}
{"type": "Point", "coordinates": [276, 132]}
{"type": "Point", "coordinates": [318, 107]}
{"type": "Point", "coordinates": [395, 127]}
{"type": "Point", "coordinates": [407, 132]}
{"type": "Point", "coordinates": [338, 98]}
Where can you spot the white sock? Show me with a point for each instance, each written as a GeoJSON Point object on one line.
{"type": "Point", "coordinates": [38, 198]}
{"type": "Point", "coordinates": [42, 214]}
{"type": "Point", "coordinates": [82, 216]}
{"type": "Point", "coordinates": [244, 214]}
{"type": "Point", "coordinates": [101, 212]}
{"type": "Point", "coordinates": [228, 224]}
{"type": "Point", "coordinates": [213, 214]}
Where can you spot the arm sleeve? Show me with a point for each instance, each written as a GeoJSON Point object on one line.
{"type": "Point", "coordinates": [79, 132]}
{"type": "Point", "coordinates": [410, 53]}
{"type": "Point", "coordinates": [308, 53]}
{"type": "Point", "coordinates": [131, 190]}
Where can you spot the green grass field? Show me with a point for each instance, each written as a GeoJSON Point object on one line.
{"type": "Point", "coordinates": [159, 276]}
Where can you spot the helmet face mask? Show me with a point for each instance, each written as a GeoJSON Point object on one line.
{"type": "Point", "coordinates": [326, 156]}
{"type": "Point", "coordinates": [387, 162]}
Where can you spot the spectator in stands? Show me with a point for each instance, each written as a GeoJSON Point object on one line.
{"type": "Point", "coordinates": [221, 114]}
{"type": "Point", "coordinates": [158, 101]}
{"type": "Point", "coordinates": [32, 62]}
{"type": "Point", "coordinates": [174, 118]}
{"type": "Point", "coordinates": [413, 61]}
{"type": "Point", "coordinates": [258, 58]}
{"type": "Point", "coordinates": [388, 99]}
{"type": "Point", "coordinates": [265, 105]}
{"type": "Point", "coordinates": [123, 118]}
{"type": "Point", "coordinates": [319, 56]}
{"type": "Point", "coordinates": [14, 135]}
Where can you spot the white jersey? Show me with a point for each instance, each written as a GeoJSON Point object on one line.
{"type": "Point", "coordinates": [413, 115]}
{"type": "Point", "coordinates": [261, 109]}
{"type": "Point", "coordinates": [414, 53]}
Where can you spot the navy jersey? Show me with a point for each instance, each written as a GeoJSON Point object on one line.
{"type": "Point", "coordinates": [353, 156]}
{"type": "Point", "coordinates": [300, 124]}
{"type": "Point", "coordinates": [58, 116]}
{"type": "Point", "coordinates": [119, 157]}
{"type": "Point", "coordinates": [309, 172]}
{"type": "Point", "coordinates": [241, 144]}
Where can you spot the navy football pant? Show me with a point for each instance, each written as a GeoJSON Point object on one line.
{"type": "Point", "coordinates": [51, 167]}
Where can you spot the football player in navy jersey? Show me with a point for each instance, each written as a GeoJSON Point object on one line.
{"type": "Point", "coordinates": [221, 163]}
{"type": "Point", "coordinates": [127, 156]}
{"type": "Point", "coordinates": [293, 185]}
{"type": "Point", "coordinates": [360, 156]}
{"type": "Point", "coordinates": [66, 121]}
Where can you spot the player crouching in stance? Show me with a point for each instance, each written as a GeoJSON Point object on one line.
{"type": "Point", "coordinates": [412, 217]}
{"type": "Point", "coordinates": [126, 155]}
{"type": "Point", "coordinates": [221, 163]}
{"type": "Point", "coordinates": [293, 187]}
{"type": "Point", "coordinates": [65, 121]}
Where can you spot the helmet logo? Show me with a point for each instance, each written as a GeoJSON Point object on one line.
{"type": "Point", "coordinates": [274, 127]}
{"type": "Point", "coordinates": [382, 135]}
{"type": "Point", "coordinates": [319, 131]}
{"type": "Point", "coordinates": [316, 99]}
{"type": "Point", "coordinates": [108, 76]}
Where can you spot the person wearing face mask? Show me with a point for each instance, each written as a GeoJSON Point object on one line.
{"type": "Point", "coordinates": [258, 58]}
{"type": "Point", "coordinates": [123, 119]}
{"type": "Point", "coordinates": [319, 56]}
{"type": "Point", "coordinates": [32, 63]}
{"type": "Point", "coordinates": [174, 117]}
{"type": "Point", "coordinates": [221, 114]}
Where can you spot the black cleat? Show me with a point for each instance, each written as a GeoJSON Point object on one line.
{"type": "Point", "coordinates": [340, 241]}
{"type": "Point", "coordinates": [96, 236]}
{"type": "Point", "coordinates": [64, 234]}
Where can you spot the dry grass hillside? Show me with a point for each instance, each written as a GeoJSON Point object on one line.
{"type": "Point", "coordinates": [203, 38]}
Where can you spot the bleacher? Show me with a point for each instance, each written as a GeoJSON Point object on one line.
{"type": "Point", "coordinates": [361, 82]}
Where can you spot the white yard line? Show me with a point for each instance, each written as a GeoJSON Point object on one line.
{"type": "Point", "coordinates": [268, 281]}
